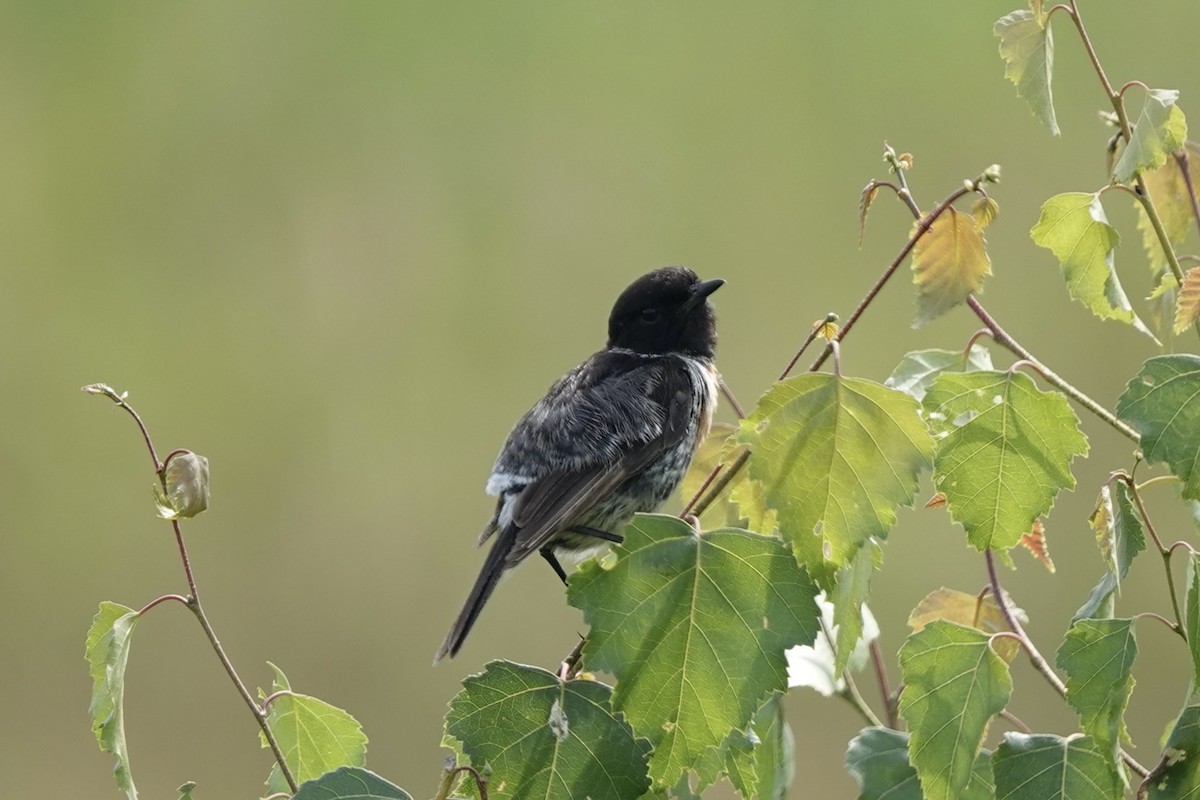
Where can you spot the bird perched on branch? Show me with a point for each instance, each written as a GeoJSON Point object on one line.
{"type": "Point", "coordinates": [613, 437]}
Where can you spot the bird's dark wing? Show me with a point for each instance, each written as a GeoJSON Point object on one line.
{"type": "Point", "coordinates": [601, 424]}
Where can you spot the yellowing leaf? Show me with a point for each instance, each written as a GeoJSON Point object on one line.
{"type": "Point", "coordinates": [1074, 227]}
{"type": "Point", "coordinates": [1187, 307]}
{"type": "Point", "coordinates": [975, 611]}
{"type": "Point", "coordinates": [869, 192]}
{"type": "Point", "coordinates": [1027, 47]}
{"type": "Point", "coordinates": [1169, 192]}
{"type": "Point", "coordinates": [1160, 129]}
{"type": "Point", "coordinates": [949, 264]}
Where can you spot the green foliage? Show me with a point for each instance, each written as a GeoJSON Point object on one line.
{"type": "Point", "coordinates": [775, 757]}
{"type": "Point", "coordinates": [1178, 776]}
{"type": "Point", "coordinates": [1046, 767]}
{"type": "Point", "coordinates": [1192, 614]}
{"type": "Point", "coordinates": [954, 683]}
{"type": "Point", "coordinates": [851, 591]}
{"type": "Point", "coordinates": [1075, 228]}
{"type": "Point", "coordinates": [314, 736]}
{"type": "Point", "coordinates": [694, 627]}
{"type": "Point", "coordinates": [1004, 452]}
{"type": "Point", "coordinates": [1162, 403]}
{"type": "Point", "coordinates": [835, 457]}
{"type": "Point", "coordinates": [537, 736]}
{"type": "Point", "coordinates": [107, 654]}
{"type": "Point", "coordinates": [350, 783]}
{"type": "Point", "coordinates": [1027, 48]}
{"type": "Point", "coordinates": [1160, 130]}
{"type": "Point", "coordinates": [917, 371]}
{"type": "Point", "coordinates": [878, 760]}
{"type": "Point", "coordinates": [1120, 535]}
{"type": "Point", "coordinates": [1097, 655]}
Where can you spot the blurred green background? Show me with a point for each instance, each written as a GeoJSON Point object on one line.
{"type": "Point", "coordinates": [339, 248]}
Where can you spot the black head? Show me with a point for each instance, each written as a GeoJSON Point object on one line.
{"type": "Point", "coordinates": [666, 311]}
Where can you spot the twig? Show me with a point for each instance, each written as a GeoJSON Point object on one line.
{"type": "Point", "coordinates": [881, 678]}
{"type": "Point", "coordinates": [1035, 657]}
{"type": "Point", "coordinates": [570, 665]}
{"type": "Point", "coordinates": [1003, 338]}
{"type": "Point", "coordinates": [1164, 551]}
{"type": "Point", "coordinates": [1185, 167]}
{"type": "Point", "coordinates": [192, 601]}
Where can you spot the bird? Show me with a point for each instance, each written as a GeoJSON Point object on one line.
{"type": "Point", "coordinates": [611, 438]}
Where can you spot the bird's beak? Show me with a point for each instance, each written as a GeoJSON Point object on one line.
{"type": "Point", "coordinates": [703, 289]}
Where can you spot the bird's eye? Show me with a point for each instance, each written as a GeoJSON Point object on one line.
{"type": "Point", "coordinates": [649, 315]}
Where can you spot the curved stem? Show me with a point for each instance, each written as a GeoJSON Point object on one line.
{"type": "Point", "coordinates": [1002, 338]}
{"type": "Point", "coordinates": [156, 601]}
{"type": "Point", "coordinates": [1035, 657]}
{"type": "Point", "coordinates": [922, 228]}
{"type": "Point", "coordinates": [260, 716]}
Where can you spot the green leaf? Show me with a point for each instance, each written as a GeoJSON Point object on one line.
{"type": "Point", "coordinates": [1074, 227]}
{"type": "Point", "coordinates": [1192, 614]}
{"type": "Point", "coordinates": [1120, 536]}
{"type": "Point", "coordinates": [1004, 452]}
{"type": "Point", "coordinates": [1162, 403]}
{"type": "Point", "coordinates": [1027, 47]}
{"type": "Point", "coordinates": [852, 590]}
{"type": "Point", "coordinates": [775, 756]}
{"type": "Point", "coordinates": [350, 783]}
{"type": "Point", "coordinates": [878, 760]}
{"type": "Point", "coordinates": [315, 737]}
{"type": "Point", "coordinates": [1097, 655]}
{"type": "Point", "coordinates": [1178, 776]}
{"type": "Point", "coordinates": [185, 791]}
{"type": "Point", "coordinates": [954, 683]}
{"type": "Point", "coordinates": [694, 627]}
{"type": "Point", "coordinates": [835, 457]}
{"type": "Point", "coordinates": [918, 369]}
{"type": "Point", "coordinates": [107, 653]}
{"type": "Point", "coordinates": [949, 264]}
{"type": "Point", "coordinates": [540, 737]}
{"type": "Point", "coordinates": [1045, 767]}
{"type": "Point", "coordinates": [1160, 130]}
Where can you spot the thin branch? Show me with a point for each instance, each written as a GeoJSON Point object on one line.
{"type": "Point", "coordinates": [1035, 657]}
{"type": "Point", "coordinates": [571, 665]}
{"type": "Point", "coordinates": [1185, 167]}
{"type": "Point", "coordinates": [119, 399]}
{"type": "Point", "coordinates": [1164, 551]}
{"type": "Point", "coordinates": [850, 692]}
{"type": "Point", "coordinates": [922, 228]}
{"type": "Point", "coordinates": [830, 318]}
{"type": "Point", "coordinates": [192, 601]}
{"type": "Point", "coordinates": [1003, 338]}
{"type": "Point", "coordinates": [733, 403]}
{"type": "Point", "coordinates": [1015, 721]}
{"type": "Point", "coordinates": [885, 690]}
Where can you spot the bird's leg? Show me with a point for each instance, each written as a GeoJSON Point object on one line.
{"type": "Point", "coordinates": [615, 538]}
{"type": "Point", "coordinates": [548, 554]}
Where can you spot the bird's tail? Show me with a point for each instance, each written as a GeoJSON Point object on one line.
{"type": "Point", "coordinates": [489, 576]}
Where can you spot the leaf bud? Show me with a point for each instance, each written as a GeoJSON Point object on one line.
{"type": "Point", "coordinates": [992, 174]}
{"type": "Point", "coordinates": [185, 476]}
